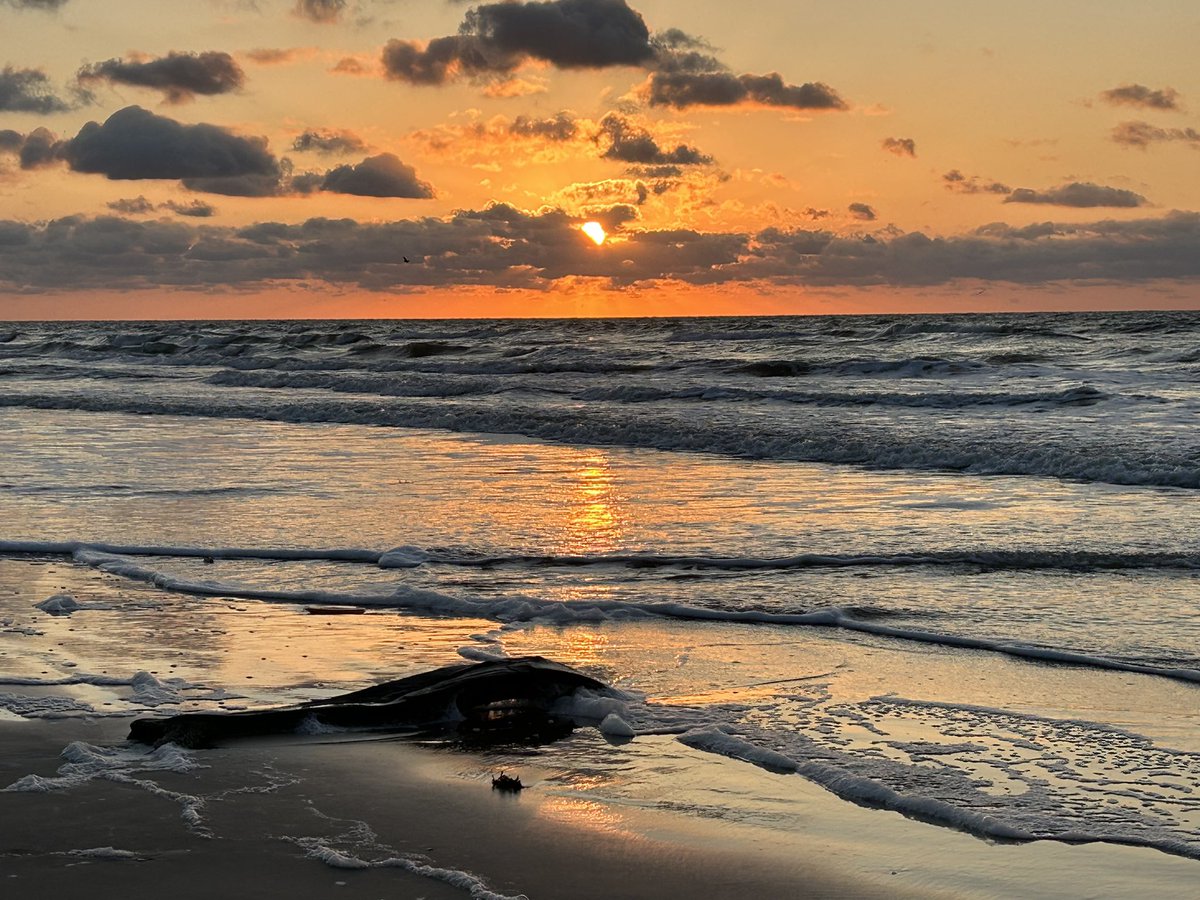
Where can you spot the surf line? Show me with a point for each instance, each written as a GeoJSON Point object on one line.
{"type": "Point", "coordinates": [567, 612]}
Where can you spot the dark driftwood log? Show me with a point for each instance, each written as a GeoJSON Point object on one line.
{"type": "Point", "coordinates": [479, 700]}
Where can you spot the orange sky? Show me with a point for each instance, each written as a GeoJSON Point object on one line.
{"type": "Point", "coordinates": [283, 158]}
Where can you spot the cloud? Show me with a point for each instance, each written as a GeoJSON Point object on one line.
{"type": "Point", "coordinates": [590, 198]}
{"type": "Point", "coordinates": [685, 89]}
{"type": "Point", "coordinates": [505, 247]}
{"type": "Point", "coordinates": [568, 34]}
{"type": "Point", "coordinates": [1078, 194]}
{"type": "Point", "coordinates": [900, 146]}
{"type": "Point", "coordinates": [134, 144]}
{"type": "Point", "coordinates": [1143, 134]}
{"type": "Point", "coordinates": [862, 212]}
{"type": "Point", "coordinates": [522, 140]}
{"type": "Point", "coordinates": [377, 176]}
{"type": "Point", "coordinates": [323, 12]}
{"type": "Point", "coordinates": [516, 87]}
{"type": "Point", "coordinates": [133, 206]}
{"type": "Point", "coordinates": [1139, 95]}
{"type": "Point", "coordinates": [140, 206]}
{"type": "Point", "coordinates": [36, 150]}
{"type": "Point", "coordinates": [328, 142]}
{"type": "Point", "coordinates": [47, 5]}
{"type": "Point", "coordinates": [180, 76]}
{"type": "Point", "coordinates": [274, 56]}
{"type": "Point", "coordinates": [350, 65]}
{"type": "Point", "coordinates": [28, 90]}
{"type": "Point", "coordinates": [631, 143]}
{"type": "Point", "coordinates": [956, 181]}
{"type": "Point", "coordinates": [560, 127]}
{"type": "Point", "coordinates": [495, 38]}
{"type": "Point", "coordinates": [196, 209]}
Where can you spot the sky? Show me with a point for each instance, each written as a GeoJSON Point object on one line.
{"type": "Point", "coordinates": [427, 158]}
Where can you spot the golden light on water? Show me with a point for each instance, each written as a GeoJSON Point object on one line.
{"type": "Point", "coordinates": [594, 230]}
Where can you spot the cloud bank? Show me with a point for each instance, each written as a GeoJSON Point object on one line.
{"type": "Point", "coordinates": [503, 246]}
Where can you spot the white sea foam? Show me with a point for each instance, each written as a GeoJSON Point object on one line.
{"type": "Point", "coordinates": [85, 762]}
{"type": "Point", "coordinates": [529, 609]}
{"type": "Point", "coordinates": [992, 446]}
{"type": "Point", "coordinates": [46, 707]}
{"type": "Point", "coordinates": [106, 853]}
{"type": "Point", "coordinates": [411, 557]}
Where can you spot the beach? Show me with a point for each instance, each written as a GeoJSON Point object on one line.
{"type": "Point", "coordinates": [963, 666]}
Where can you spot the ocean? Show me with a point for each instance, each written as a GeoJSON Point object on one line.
{"type": "Point", "coordinates": [943, 567]}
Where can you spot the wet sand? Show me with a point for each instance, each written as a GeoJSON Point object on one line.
{"type": "Point", "coordinates": [268, 806]}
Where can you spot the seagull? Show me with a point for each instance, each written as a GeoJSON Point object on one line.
{"type": "Point", "coordinates": [406, 259]}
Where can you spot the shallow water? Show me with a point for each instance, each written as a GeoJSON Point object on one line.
{"type": "Point", "coordinates": [988, 622]}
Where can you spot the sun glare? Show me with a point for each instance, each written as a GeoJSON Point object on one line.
{"type": "Point", "coordinates": [594, 230]}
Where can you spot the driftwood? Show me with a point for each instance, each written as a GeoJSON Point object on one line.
{"type": "Point", "coordinates": [505, 701]}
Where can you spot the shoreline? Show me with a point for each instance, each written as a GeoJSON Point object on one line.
{"type": "Point", "coordinates": [302, 816]}
{"type": "Point", "coordinates": [340, 813]}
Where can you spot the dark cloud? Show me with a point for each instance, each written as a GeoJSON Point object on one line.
{"type": "Point", "coordinates": [133, 206]}
{"type": "Point", "coordinates": [1141, 96]}
{"type": "Point", "coordinates": [444, 59]}
{"type": "Point", "coordinates": [248, 184]}
{"type": "Point", "coordinates": [495, 38]}
{"type": "Point", "coordinates": [323, 12]}
{"type": "Point", "coordinates": [956, 181]}
{"type": "Point", "coordinates": [502, 246]}
{"type": "Point", "coordinates": [1078, 194]}
{"type": "Point", "coordinates": [682, 89]}
{"type": "Point", "coordinates": [328, 142]}
{"type": "Point", "coordinates": [862, 211]}
{"type": "Point", "coordinates": [631, 143]}
{"type": "Point", "coordinates": [560, 127]}
{"type": "Point", "coordinates": [28, 90]}
{"type": "Point", "coordinates": [35, 4]}
{"type": "Point", "coordinates": [569, 34]}
{"type": "Point", "coordinates": [377, 176]}
{"type": "Point", "coordinates": [35, 150]}
{"type": "Point", "coordinates": [180, 76]}
{"type": "Point", "coordinates": [1143, 134]}
{"type": "Point", "coordinates": [196, 209]}
{"type": "Point", "coordinates": [900, 146]}
{"type": "Point", "coordinates": [140, 206]}
{"type": "Point", "coordinates": [137, 144]}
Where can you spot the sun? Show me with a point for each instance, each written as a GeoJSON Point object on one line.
{"type": "Point", "coordinates": [594, 230]}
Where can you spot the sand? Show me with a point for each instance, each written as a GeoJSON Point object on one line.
{"type": "Point", "coordinates": [267, 804]}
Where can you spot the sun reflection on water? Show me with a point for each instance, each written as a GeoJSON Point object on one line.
{"type": "Point", "coordinates": [596, 517]}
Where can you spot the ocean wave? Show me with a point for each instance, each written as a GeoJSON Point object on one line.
{"type": "Point", "coordinates": [969, 326]}
{"type": "Point", "coordinates": [1061, 454]}
{"type": "Point", "coordinates": [908, 367]}
{"type": "Point", "coordinates": [1080, 395]}
{"type": "Point", "coordinates": [412, 557]}
{"type": "Point", "coordinates": [509, 609]}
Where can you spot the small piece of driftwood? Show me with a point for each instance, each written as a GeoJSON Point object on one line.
{"type": "Point", "coordinates": [504, 782]}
